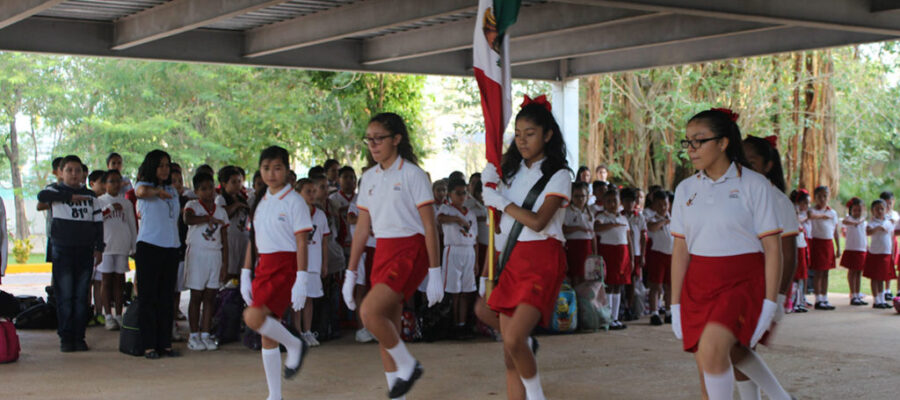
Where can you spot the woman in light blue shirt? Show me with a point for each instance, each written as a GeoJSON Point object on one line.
{"type": "Point", "coordinates": [156, 257]}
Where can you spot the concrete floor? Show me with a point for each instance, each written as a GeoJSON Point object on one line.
{"type": "Point", "coordinates": [851, 353]}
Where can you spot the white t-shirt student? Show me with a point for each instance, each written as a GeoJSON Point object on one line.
{"type": "Point", "coordinates": [119, 228]}
{"type": "Point", "coordinates": [278, 218]}
{"type": "Point", "coordinates": [661, 239]}
{"type": "Point", "coordinates": [856, 234]}
{"type": "Point", "coordinates": [206, 236]}
{"type": "Point", "coordinates": [481, 215]}
{"type": "Point", "coordinates": [316, 241]}
{"type": "Point", "coordinates": [456, 235]}
{"type": "Point", "coordinates": [882, 241]}
{"type": "Point", "coordinates": [617, 235]}
{"type": "Point", "coordinates": [582, 219]}
{"type": "Point", "coordinates": [823, 228]}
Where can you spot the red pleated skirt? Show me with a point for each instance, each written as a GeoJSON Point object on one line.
{"type": "Point", "coordinates": [725, 290]}
{"type": "Point", "coordinates": [532, 275]}
{"type": "Point", "coordinates": [802, 272]}
{"type": "Point", "coordinates": [855, 260]}
{"type": "Point", "coordinates": [879, 267]}
{"type": "Point", "coordinates": [659, 267]}
{"type": "Point", "coordinates": [274, 277]}
{"type": "Point", "coordinates": [400, 263]}
{"type": "Point", "coordinates": [577, 251]}
{"type": "Point", "coordinates": [618, 263]}
{"type": "Point", "coordinates": [821, 254]}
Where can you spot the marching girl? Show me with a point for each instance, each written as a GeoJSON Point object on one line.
{"type": "Point", "coordinates": [854, 257]}
{"type": "Point", "coordinates": [879, 264]}
{"type": "Point", "coordinates": [750, 370]}
{"type": "Point", "coordinates": [726, 258]}
{"type": "Point", "coordinates": [578, 228]}
{"type": "Point", "coordinates": [659, 258]}
{"type": "Point", "coordinates": [395, 200]}
{"type": "Point", "coordinates": [616, 248]}
{"type": "Point", "coordinates": [822, 253]}
{"type": "Point", "coordinates": [800, 198]}
{"type": "Point", "coordinates": [280, 228]}
{"type": "Point", "coordinates": [527, 291]}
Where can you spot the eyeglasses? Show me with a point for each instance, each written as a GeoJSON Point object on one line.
{"type": "Point", "coordinates": [371, 141]}
{"type": "Point", "coordinates": [696, 143]}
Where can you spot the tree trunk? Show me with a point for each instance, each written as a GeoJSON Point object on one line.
{"type": "Point", "coordinates": [12, 153]}
{"type": "Point", "coordinates": [809, 166]}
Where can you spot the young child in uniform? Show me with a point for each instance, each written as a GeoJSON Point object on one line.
{"type": "Point", "coordinates": [879, 266]}
{"type": "Point", "coordinates": [579, 230]}
{"type": "Point", "coordinates": [460, 228]}
{"type": "Point", "coordinates": [598, 188]}
{"type": "Point", "coordinates": [854, 257]}
{"type": "Point", "coordinates": [206, 258]}
{"type": "Point", "coordinates": [800, 198]}
{"type": "Point", "coordinates": [824, 247]}
{"type": "Point", "coordinates": [529, 283]}
{"type": "Point", "coordinates": [119, 236]}
{"type": "Point", "coordinates": [659, 258]}
{"type": "Point", "coordinates": [894, 217]}
{"type": "Point", "coordinates": [340, 202]}
{"type": "Point", "coordinates": [317, 256]}
{"type": "Point", "coordinates": [637, 225]}
{"type": "Point", "coordinates": [97, 185]}
{"type": "Point", "coordinates": [396, 203]}
{"type": "Point", "coordinates": [232, 198]}
{"type": "Point", "coordinates": [115, 161]}
{"type": "Point", "coordinates": [615, 246]}
{"type": "Point", "coordinates": [280, 232]}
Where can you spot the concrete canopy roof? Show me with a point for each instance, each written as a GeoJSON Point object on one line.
{"type": "Point", "coordinates": [552, 40]}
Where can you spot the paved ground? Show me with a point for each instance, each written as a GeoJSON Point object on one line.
{"type": "Point", "coordinates": [851, 353]}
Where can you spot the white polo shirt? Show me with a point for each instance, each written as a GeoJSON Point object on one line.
{"type": "Point", "coordinates": [787, 214]}
{"type": "Point", "coordinates": [662, 240]}
{"type": "Point", "coordinates": [481, 215]}
{"type": "Point", "coordinates": [725, 217]}
{"type": "Point", "coordinates": [881, 241]}
{"type": "Point", "coordinates": [354, 210]}
{"type": "Point", "coordinates": [581, 219]}
{"type": "Point", "coordinates": [856, 235]}
{"type": "Point", "coordinates": [617, 235]}
{"type": "Point", "coordinates": [278, 218]}
{"type": "Point", "coordinates": [638, 226]}
{"type": "Point", "coordinates": [315, 241]}
{"type": "Point", "coordinates": [207, 236]}
{"type": "Point", "coordinates": [823, 228]}
{"type": "Point", "coordinates": [455, 235]}
{"type": "Point", "coordinates": [596, 209]}
{"type": "Point", "coordinates": [393, 197]}
{"type": "Point", "coordinates": [559, 185]}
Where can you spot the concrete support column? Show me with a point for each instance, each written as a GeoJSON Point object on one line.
{"type": "Point", "coordinates": [565, 110]}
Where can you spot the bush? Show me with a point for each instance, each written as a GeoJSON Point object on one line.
{"type": "Point", "coordinates": [22, 249]}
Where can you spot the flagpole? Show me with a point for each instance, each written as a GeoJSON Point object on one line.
{"type": "Point", "coordinates": [490, 254]}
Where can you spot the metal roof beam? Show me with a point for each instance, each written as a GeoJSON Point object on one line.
{"type": "Point", "coordinates": [719, 48]}
{"type": "Point", "coordinates": [345, 21]}
{"type": "Point", "coordinates": [179, 16]}
{"type": "Point", "coordinates": [534, 21]}
{"type": "Point", "coordinates": [660, 30]}
{"type": "Point", "coordinates": [16, 10]}
{"type": "Point", "coordinates": [885, 5]}
{"type": "Point", "coordinates": [842, 15]}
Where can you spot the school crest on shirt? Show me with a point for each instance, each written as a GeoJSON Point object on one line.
{"type": "Point", "coordinates": [311, 239]}
{"type": "Point", "coordinates": [690, 201]}
{"type": "Point", "coordinates": [397, 187]}
{"type": "Point", "coordinates": [282, 217]}
{"type": "Point", "coordinates": [734, 194]}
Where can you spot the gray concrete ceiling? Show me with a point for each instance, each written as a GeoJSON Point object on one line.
{"type": "Point", "coordinates": [552, 40]}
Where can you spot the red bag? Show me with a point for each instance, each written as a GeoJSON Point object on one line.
{"type": "Point", "coordinates": [9, 342]}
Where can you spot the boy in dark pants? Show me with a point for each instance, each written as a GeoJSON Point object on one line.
{"type": "Point", "coordinates": [77, 242]}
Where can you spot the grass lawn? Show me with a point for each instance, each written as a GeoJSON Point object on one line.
{"type": "Point", "coordinates": [34, 258]}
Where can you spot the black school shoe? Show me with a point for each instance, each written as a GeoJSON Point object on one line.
{"type": "Point", "coordinates": [800, 309]}
{"type": "Point", "coordinates": [290, 373]}
{"type": "Point", "coordinates": [66, 346]}
{"type": "Point", "coordinates": [81, 345]}
{"type": "Point", "coordinates": [668, 318]}
{"type": "Point", "coordinates": [617, 326]}
{"type": "Point", "coordinates": [821, 305]}
{"type": "Point", "coordinates": [856, 302]}
{"type": "Point", "coordinates": [655, 320]}
{"type": "Point", "coordinates": [888, 297]}
{"type": "Point", "coordinates": [402, 386]}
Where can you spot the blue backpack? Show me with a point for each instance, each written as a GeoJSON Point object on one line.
{"type": "Point", "coordinates": [565, 314]}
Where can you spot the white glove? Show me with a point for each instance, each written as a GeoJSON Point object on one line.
{"type": "Point", "coordinates": [246, 286]}
{"type": "Point", "coordinates": [298, 292]}
{"type": "Point", "coordinates": [482, 285]}
{"type": "Point", "coordinates": [490, 175]}
{"type": "Point", "coordinates": [347, 289]}
{"type": "Point", "coordinates": [779, 312]}
{"type": "Point", "coordinates": [493, 198]}
{"type": "Point", "coordinates": [676, 320]}
{"type": "Point", "coordinates": [435, 290]}
{"type": "Point", "coordinates": [765, 321]}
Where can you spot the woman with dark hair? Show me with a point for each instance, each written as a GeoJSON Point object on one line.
{"type": "Point", "coordinates": [726, 257]}
{"type": "Point", "coordinates": [395, 202]}
{"type": "Point", "coordinates": [529, 282]}
{"type": "Point", "coordinates": [156, 255]}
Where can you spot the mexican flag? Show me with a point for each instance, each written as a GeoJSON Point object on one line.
{"type": "Point", "coordinates": [490, 50]}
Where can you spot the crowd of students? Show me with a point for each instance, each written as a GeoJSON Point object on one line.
{"type": "Point", "coordinates": [724, 256]}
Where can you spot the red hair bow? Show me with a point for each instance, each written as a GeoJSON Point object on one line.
{"type": "Point", "coordinates": [733, 116]}
{"type": "Point", "coordinates": [542, 100]}
{"type": "Point", "coordinates": [804, 191]}
{"type": "Point", "coordinates": [773, 140]}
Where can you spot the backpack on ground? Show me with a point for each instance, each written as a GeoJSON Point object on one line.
{"type": "Point", "coordinates": [38, 316]}
{"type": "Point", "coordinates": [593, 311]}
{"type": "Point", "coordinates": [565, 314]}
{"type": "Point", "coordinates": [226, 323]}
{"type": "Point", "coordinates": [9, 342]}
{"type": "Point", "coordinates": [410, 330]}
{"type": "Point", "coordinates": [9, 305]}
{"type": "Point", "coordinates": [130, 334]}
{"type": "Point", "coordinates": [435, 322]}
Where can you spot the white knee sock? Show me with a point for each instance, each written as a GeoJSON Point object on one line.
{"type": "Point", "coordinates": [273, 329]}
{"type": "Point", "coordinates": [614, 305]}
{"type": "Point", "coordinates": [756, 369]}
{"type": "Point", "coordinates": [747, 390]}
{"type": "Point", "coordinates": [721, 386]}
{"type": "Point", "coordinates": [272, 365]}
{"type": "Point", "coordinates": [391, 378]}
{"type": "Point", "coordinates": [405, 361]}
{"type": "Point", "coordinates": [533, 389]}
